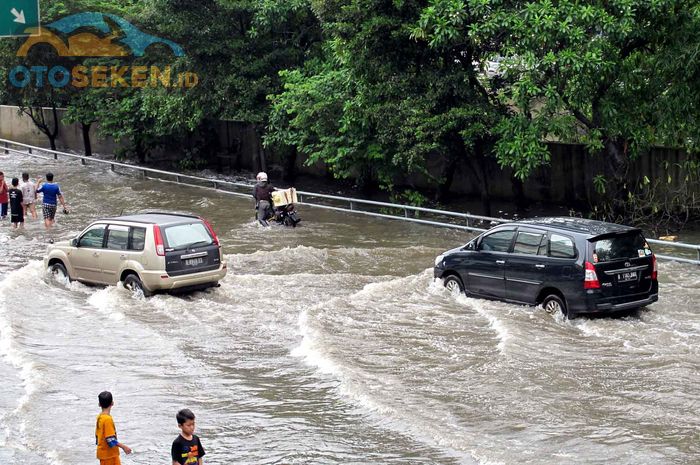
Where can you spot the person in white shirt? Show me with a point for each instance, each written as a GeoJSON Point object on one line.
{"type": "Point", "coordinates": [28, 196]}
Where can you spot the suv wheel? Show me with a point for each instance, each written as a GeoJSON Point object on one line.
{"type": "Point", "coordinates": [134, 284]}
{"type": "Point", "coordinates": [553, 304]}
{"type": "Point", "coordinates": [453, 284]}
{"type": "Point", "coordinates": [59, 272]}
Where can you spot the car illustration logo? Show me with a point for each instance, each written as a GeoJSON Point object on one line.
{"type": "Point", "coordinates": [627, 264]}
{"type": "Point", "coordinates": [117, 37]}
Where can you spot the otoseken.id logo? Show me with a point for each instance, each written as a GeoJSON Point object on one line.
{"type": "Point", "coordinates": [97, 35]}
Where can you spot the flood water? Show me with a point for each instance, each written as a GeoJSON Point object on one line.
{"type": "Point", "coordinates": [329, 344]}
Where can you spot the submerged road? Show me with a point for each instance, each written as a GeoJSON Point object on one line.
{"type": "Point", "coordinates": [329, 344]}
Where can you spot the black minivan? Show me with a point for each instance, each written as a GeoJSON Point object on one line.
{"type": "Point", "coordinates": [573, 265]}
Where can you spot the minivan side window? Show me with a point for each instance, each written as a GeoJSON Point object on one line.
{"type": "Point", "coordinates": [497, 242]}
{"type": "Point", "coordinates": [528, 243]}
{"type": "Point", "coordinates": [561, 247]}
{"type": "Point", "coordinates": [93, 237]}
{"type": "Point", "coordinates": [117, 237]}
{"type": "Point", "coordinates": [138, 238]}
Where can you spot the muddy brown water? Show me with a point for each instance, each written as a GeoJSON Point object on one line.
{"type": "Point", "coordinates": [329, 344]}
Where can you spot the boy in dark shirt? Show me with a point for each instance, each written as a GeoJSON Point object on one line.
{"type": "Point", "coordinates": [16, 210]}
{"type": "Point", "coordinates": [187, 449]}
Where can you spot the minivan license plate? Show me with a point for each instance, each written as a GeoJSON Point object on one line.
{"type": "Point", "coordinates": [194, 261]}
{"type": "Point", "coordinates": [628, 276]}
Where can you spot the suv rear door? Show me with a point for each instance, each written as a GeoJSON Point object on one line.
{"type": "Point", "coordinates": [623, 263]}
{"type": "Point", "coordinates": [123, 243]}
{"type": "Point", "coordinates": [190, 248]}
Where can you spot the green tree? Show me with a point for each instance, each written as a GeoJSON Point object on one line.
{"type": "Point", "coordinates": [237, 47]}
{"type": "Point", "coordinates": [382, 103]}
{"type": "Point", "coordinates": [617, 76]}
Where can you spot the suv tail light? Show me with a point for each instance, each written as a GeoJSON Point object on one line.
{"type": "Point", "coordinates": [211, 231]}
{"type": "Point", "coordinates": [591, 279]}
{"type": "Point", "coordinates": [654, 269]}
{"type": "Point", "coordinates": [158, 239]}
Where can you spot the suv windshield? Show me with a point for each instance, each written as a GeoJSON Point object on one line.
{"type": "Point", "coordinates": [621, 247]}
{"type": "Point", "coordinates": [182, 236]}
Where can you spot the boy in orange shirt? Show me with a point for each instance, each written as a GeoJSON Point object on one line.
{"type": "Point", "coordinates": [106, 434]}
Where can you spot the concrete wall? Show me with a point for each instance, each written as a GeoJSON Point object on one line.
{"type": "Point", "coordinates": [19, 127]}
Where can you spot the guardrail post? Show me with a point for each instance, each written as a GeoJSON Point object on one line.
{"type": "Point", "coordinates": [111, 166]}
{"type": "Point", "coordinates": [6, 147]}
{"type": "Point", "coordinates": [82, 160]}
{"type": "Point", "coordinates": [29, 150]}
{"type": "Point", "coordinates": [405, 212]}
{"type": "Point", "coordinates": [143, 174]}
{"type": "Point", "coordinates": [216, 185]}
{"type": "Point", "coordinates": [352, 205]}
{"type": "Point", "coordinates": [177, 178]}
{"type": "Point", "coordinates": [698, 251]}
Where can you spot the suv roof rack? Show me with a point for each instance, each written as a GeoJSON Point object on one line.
{"type": "Point", "coordinates": [165, 212]}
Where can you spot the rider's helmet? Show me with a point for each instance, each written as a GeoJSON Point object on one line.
{"type": "Point", "coordinates": [262, 176]}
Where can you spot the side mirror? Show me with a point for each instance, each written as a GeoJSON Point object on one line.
{"type": "Point", "coordinates": [74, 242]}
{"type": "Point", "coordinates": [471, 245]}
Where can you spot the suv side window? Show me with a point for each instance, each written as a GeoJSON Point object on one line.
{"type": "Point", "coordinates": [561, 246]}
{"type": "Point", "coordinates": [93, 237]}
{"type": "Point", "coordinates": [528, 243]}
{"type": "Point", "coordinates": [117, 237]}
{"type": "Point", "coordinates": [137, 239]}
{"type": "Point", "coordinates": [497, 242]}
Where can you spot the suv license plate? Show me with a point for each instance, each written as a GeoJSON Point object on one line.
{"type": "Point", "coordinates": [628, 276]}
{"type": "Point", "coordinates": [194, 261]}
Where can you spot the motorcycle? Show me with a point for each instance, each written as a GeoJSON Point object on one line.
{"type": "Point", "coordinates": [282, 210]}
{"type": "Point", "coordinates": [287, 215]}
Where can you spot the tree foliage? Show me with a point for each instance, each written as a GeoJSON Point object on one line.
{"type": "Point", "coordinates": [379, 90]}
{"type": "Point", "coordinates": [381, 103]}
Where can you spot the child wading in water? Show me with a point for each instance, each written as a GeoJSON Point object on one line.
{"type": "Point", "coordinates": [106, 434]}
{"type": "Point", "coordinates": [187, 449]}
{"type": "Point", "coordinates": [16, 208]}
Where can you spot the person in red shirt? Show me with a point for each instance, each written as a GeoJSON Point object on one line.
{"type": "Point", "coordinates": [106, 434]}
{"type": "Point", "coordinates": [4, 196]}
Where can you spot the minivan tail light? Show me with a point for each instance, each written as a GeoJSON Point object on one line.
{"type": "Point", "coordinates": [158, 239]}
{"type": "Point", "coordinates": [591, 279]}
{"type": "Point", "coordinates": [211, 230]}
{"type": "Point", "coordinates": [654, 269]}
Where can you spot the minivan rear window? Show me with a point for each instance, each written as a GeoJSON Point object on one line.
{"type": "Point", "coordinates": [182, 236]}
{"type": "Point", "coordinates": [620, 248]}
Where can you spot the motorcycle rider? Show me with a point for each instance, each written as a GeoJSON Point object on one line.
{"type": "Point", "coordinates": [262, 193]}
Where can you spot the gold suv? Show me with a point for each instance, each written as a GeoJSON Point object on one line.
{"type": "Point", "coordinates": [147, 252]}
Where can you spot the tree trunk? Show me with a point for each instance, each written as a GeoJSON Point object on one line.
{"type": "Point", "coordinates": [448, 174]}
{"type": "Point", "coordinates": [478, 166]}
{"type": "Point", "coordinates": [521, 203]}
{"type": "Point", "coordinates": [39, 119]}
{"type": "Point", "coordinates": [290, 171]}
{"type": "Point", "coordinates": [617, 166]}
{"type": "Point", "coordinates": [85, 127]}
{"type": "Point", "coordinates": [261, 159]}
{"type": "Point", "coordinates": [140, 151]}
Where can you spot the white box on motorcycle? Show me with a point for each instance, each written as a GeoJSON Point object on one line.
{"type": "Point", "coordinates": [284, 197]}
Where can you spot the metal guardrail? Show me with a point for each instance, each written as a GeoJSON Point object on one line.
{"type": "Point", "coordinates": [385, 209]}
